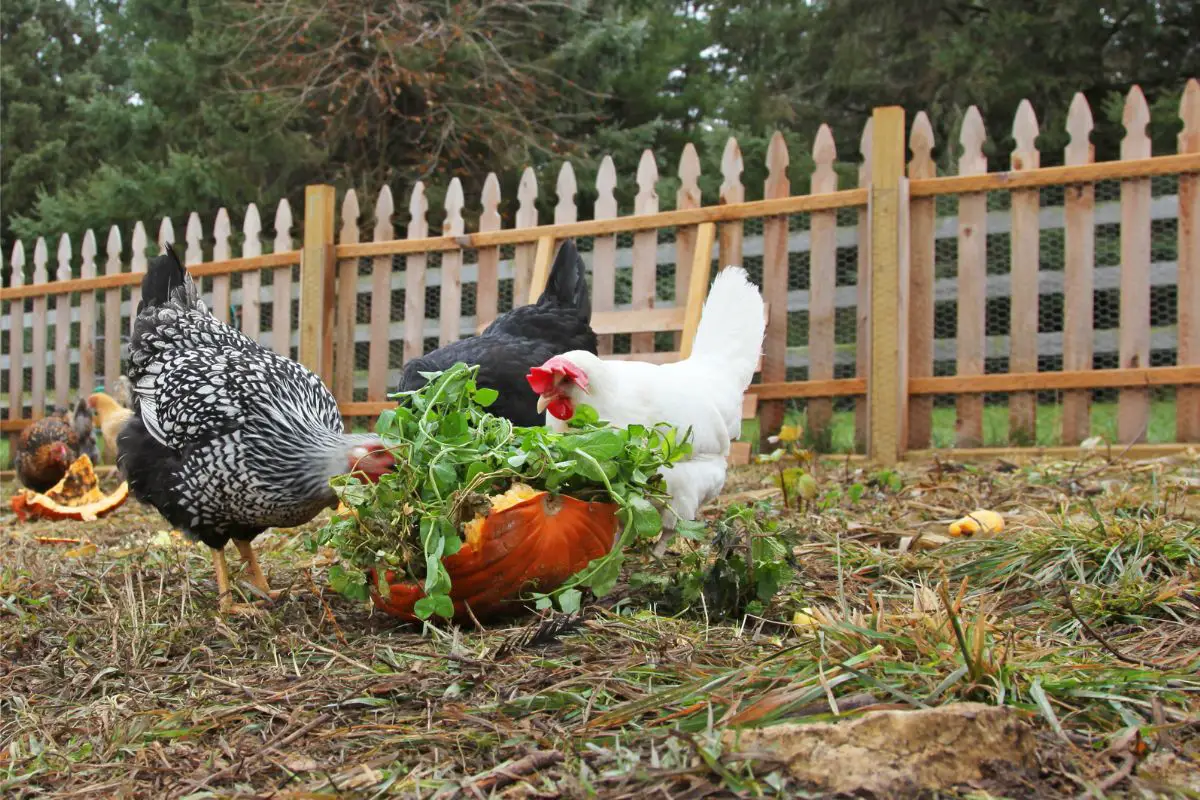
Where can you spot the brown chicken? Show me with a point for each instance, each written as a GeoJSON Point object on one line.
{"type": "Point", "coordinates": [112, 419]}
{"type": "Point", "coordinates": [50, 445]}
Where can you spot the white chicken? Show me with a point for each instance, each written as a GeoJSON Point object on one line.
{"type": "Point", "coordinates": [702, 392]}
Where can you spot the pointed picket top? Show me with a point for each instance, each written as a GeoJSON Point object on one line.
{"type": "Point", "coordinates": [137, 260]}
{"type": "Point", "coordinates": [251, 233]}
{"type": "Point", "coordinates": [1079, 127]}
{"type": "Point", "coordinates": [166, 234]}
{"type": "Point", "coordinates": [864, 150]}
{"type": "Point", "coordinates": [731, 169]}
{"type": "Point", "coordinates": [1025, 132]}
{"type": "Point", "coordinates": [452, 225]}
{"type": "Point", "coordinates": [18, 264]}
{"type": "Point", "coordinates": [824, 153]}
{"type": "Point", "coordinates": [1189, 112]}
{"type": "Point", "coordinates": [40, 256]}
{"type": "Point", "coordinates": [689, 195]}
{"type": "Point", "coordinates": [920, 144]}
{"type": "Point", "coordinates": [192, 234]}
{"type": "Point", "coordinates": [385, 207]}
{"type": "Point", "coordinates": [971, 137]}
{"type": "Point", "coordinates": [283, 227]}
{"type": "Point", "coordinates": [418, 207]}
{"type": "Point", "coordinates": [646, 200]}
{"type": "Point", "coordinates": [222, 231]}
{"type": "Point", "coordinates": [112, 248]}
{"type": "Point", "coordinates": [606, 188]}
{"type": "Point", "coordinates": [88, 251]}
{"type": "Point", "coordinates": [565, 211]}
{"type": "Point", "coordinates": [64, 258]}
{"type": "Point", "coordinates": [489, 219]}
{"type": "Point", "coordinates": [527, 192]}
{"type": "Point", "coordinates": [1135, 119]}
{"type": "Point", "coordinates": [349, 230]}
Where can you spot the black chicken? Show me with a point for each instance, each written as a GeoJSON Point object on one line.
{"type": "Point", "coordinates": [521, 339]}
{"type": "Point", "coordinates": [228, 438]}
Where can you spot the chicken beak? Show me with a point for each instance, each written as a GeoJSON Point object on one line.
{"type": "Point", "coordinates": [543, 401]}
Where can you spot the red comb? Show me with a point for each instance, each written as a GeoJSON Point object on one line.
{"type": "Point", "coordinates": [540, 379]}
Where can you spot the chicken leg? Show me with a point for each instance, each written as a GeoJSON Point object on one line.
{"type": "Point", "coordinates": [253, 570]}
{"type": "Point", "coordinates": [225, 602]}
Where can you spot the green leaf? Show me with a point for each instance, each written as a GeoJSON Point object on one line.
{"type": "Point", "coordinates": [692, 529]}
{"type": "Point", "coordinates": [386, 421]}
{"type": "Point", "coordinates": [647, 521]}
{"type": "Point", "coordinates": [485, 397]}
{"type": "Point", "coordinates": [605, 575]}
{"type": "Point", "coordinates": [569, 601]}
{"type": "Point", "coordinates": [585, 415]}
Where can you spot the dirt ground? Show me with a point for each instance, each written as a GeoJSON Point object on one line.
{"type": "Point", "coordinates": [1056, 658]}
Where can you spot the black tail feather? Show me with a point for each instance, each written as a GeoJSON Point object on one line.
{"type": "Point", "coordinates": [567, 284]}
{"type": "Point", "coordinates": [164, 275]}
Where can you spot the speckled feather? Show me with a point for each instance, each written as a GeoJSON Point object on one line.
{"type": "Point", "coordinates": [229, 438]}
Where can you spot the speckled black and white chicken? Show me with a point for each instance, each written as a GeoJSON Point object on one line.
{"type": "Point", "coordinates": [228, 438]}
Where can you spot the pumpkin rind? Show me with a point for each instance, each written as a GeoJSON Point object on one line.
{"type": "Point", "coordinates": [77, 496]}
{"type": "Point", "coordinates": [534, 545]}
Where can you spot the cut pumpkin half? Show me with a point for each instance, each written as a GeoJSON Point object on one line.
{"type": "Point", "coordinates": [77, 496]}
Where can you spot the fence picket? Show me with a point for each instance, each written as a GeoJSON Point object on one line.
{"type": "Point", "coordinates": [1133, 405]}
{"type": "Point", "coordinates": [862, 334]}
{"type": "Point", "coordinates": [822, 283]}
{"type": "Point", "coordinates": [414, 277]}
{"type": "Point", "coordinates": [1025, 254]}
{"type": "Point", "coordinates": [604, 249]}
{"type": "Point", "coordinates": [1187, 398]}
{"type": "Point", "coordinates": [775, 286]}
{"type": "Point", "coordinates": [281, 283]}
{"type": "Point", "coordinates": [193, 254]}
{"type": "Point", "coordinates": [645, 247]}
{"type": "Point", "coordinates": [922, 243]}
{"type": "Point", "coordinates": [452, 260]}
{"type": "Point", "coordinates": [380, 347]}
{"type": "Point", "coordinates": [487, 288]}
{"type": "Point", "coordinates": [62, 326]}
{"type": "Point", "coordinates": [139, 243]}
{"type": "Point", "coordinates": [346, 304]}
{"type": "Point", "coordinates": [38, 384]}
{"type": "Point", "coordinates": [87, 317]}
{"type": "Point", "coordinates": [16, 338]}
{"type": "Point", "coordinates": [687, 196]}
{"type": "Point", "coordinates": [972, 280]}
{"type": "Point", "coordinates": [527, 217]}
{"type": "Point", "coordinates": [729, 248]}
{"type": "Point", "coordinates": [565, 210]}
{"type": "Point", "coordinates": [1079, 241]}
{"type": "Point", "coordinates": [222, 297]}
{"type": "Point", "coordinates": [252, 281]}
{"type": "Point", "coordinates": [112, 311]}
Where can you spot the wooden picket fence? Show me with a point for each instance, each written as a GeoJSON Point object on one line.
{"type": "Point", "coordinates": [356, 310]}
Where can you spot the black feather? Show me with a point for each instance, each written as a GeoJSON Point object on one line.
{"type": "Point", "coordinates": [164, 275]}
{"type": "Point", "coordinates": [521, 339]}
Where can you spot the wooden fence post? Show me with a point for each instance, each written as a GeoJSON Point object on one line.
{"type": "Point", "coordinates": [887, 390]}
{"type": "Point", "coordinates": [317, 270]}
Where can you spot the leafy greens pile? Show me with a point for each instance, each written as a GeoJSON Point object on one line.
{"type": "Point", "coordinates": [451, 455]}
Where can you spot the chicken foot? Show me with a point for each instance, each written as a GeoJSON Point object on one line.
{"type": "Point", "coordinates": [225, 602]}
{"type": "Point", "coordinates": [253, 570]}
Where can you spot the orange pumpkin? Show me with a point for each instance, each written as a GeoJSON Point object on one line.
{"type": "Point", "coordinates": [77, 496]}
{"type": "Point", "coordinates": [534, 545]}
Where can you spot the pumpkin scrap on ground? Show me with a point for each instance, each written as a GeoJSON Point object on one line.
{"type": "Point", "coordinates": [981, 520]}
{"type": "Point", "coordinates": [77, 496]}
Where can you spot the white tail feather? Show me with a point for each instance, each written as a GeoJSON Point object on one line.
{"type": "Point", "coordinates": [732, 326]}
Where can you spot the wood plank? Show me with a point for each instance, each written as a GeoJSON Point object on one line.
{"type": "Point", "coordinates": [604, 248]}
{"type": "Point", "coordinates": [888, 411]}
{"type": "Point", "coordinates": [487, 284]}
{"type": "Point", "coordinates": [701, 270]}
{"type": "Point", "coordinates": [112, 311]}
{"type": "Point", "coordinates": [1187, 399]}
{"type": "Point", "coordinates": [16, 338]}
{"type": "Point", "coordinates": [414, 277]}
{"type": "Point", "coordinates": [839, 387]}
{"type": "Point", "coordinates": [654, 320]}
{"type": "Point", "coordinates": [527, 217]}
{"type": "Point", "coordinates": [729, 249]}
{"type": "Point", "coordinates": [1024, 255]}
{"type": "Point", "coordinates": [797, 204]}
{"type": "Point", "coordinates": [972, 281]}
{"type": "Point", "coordinates": [62, 327]}
{"type": "Point", "coordinates": [1133, 405]}
{"type": "Point", "coordinates": [450, 310]}
{"type": "Point", "coordinates": [923, 244]}
{"type": "Point", "coordinates": [118, 280]}
{"type": "Point", "coordinates": [316, 261]}
{"type": "Point", "coordinates": [822, 283]}
{"type": "Point", "coordinates": [749, 405]}
{"type": "Point", "coordinates": [346, 303]}
{"type": "Point", "coordinates": [281, 289]}
{"type": "Point", "coordinates": [1079, 241]}
{"type": "Point", "coordinates": [87, 318]}
{"type": "Point", "coordinates": [775, 282]}
{"type": "Point", "coordinates": [644, 288]}
{"type": "Point", "coordinates": [222, 287]}
{"type": "Point", "coordinates": [542, 257]}
{"type": "Point", "coordinates": [380, 347]}
{"type": "Point", "coordinates": [862, 314]}
{"type": "Point", "coordinates": [1134, 453]}
{"type": "Point", "coordinates": [687, 196]}
{"type": "Point", "coordinates": [1058, 176]}
{"type": "Point", "coordinates": [1050, 381]}
{"type": "Point", "coordinates": [739, 454]}
{"type": "Point", "coordinates": [649, 358]}
{"type": "Point", "coordinates": [39, 322]}
{"type": "Point", "coordinates": [252, 280]}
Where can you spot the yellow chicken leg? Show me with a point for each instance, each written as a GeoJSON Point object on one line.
{"type": "Point", "coordinates": [253, 570]}
{"type": "Point", "coordinates": [225, 602]}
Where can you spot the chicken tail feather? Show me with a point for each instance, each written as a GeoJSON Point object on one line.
{"type": "Point", "coordinates": [168, 280]}
{"type": "Point", "coordinates": [732, 326]}
{"type": "Point", "coordinates": [567, 284]}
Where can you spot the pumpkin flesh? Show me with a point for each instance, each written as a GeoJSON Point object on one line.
{"type": "Point", "coordinates": [77, 496]}
{"type": "Point", "coordinates": [535, 544]}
